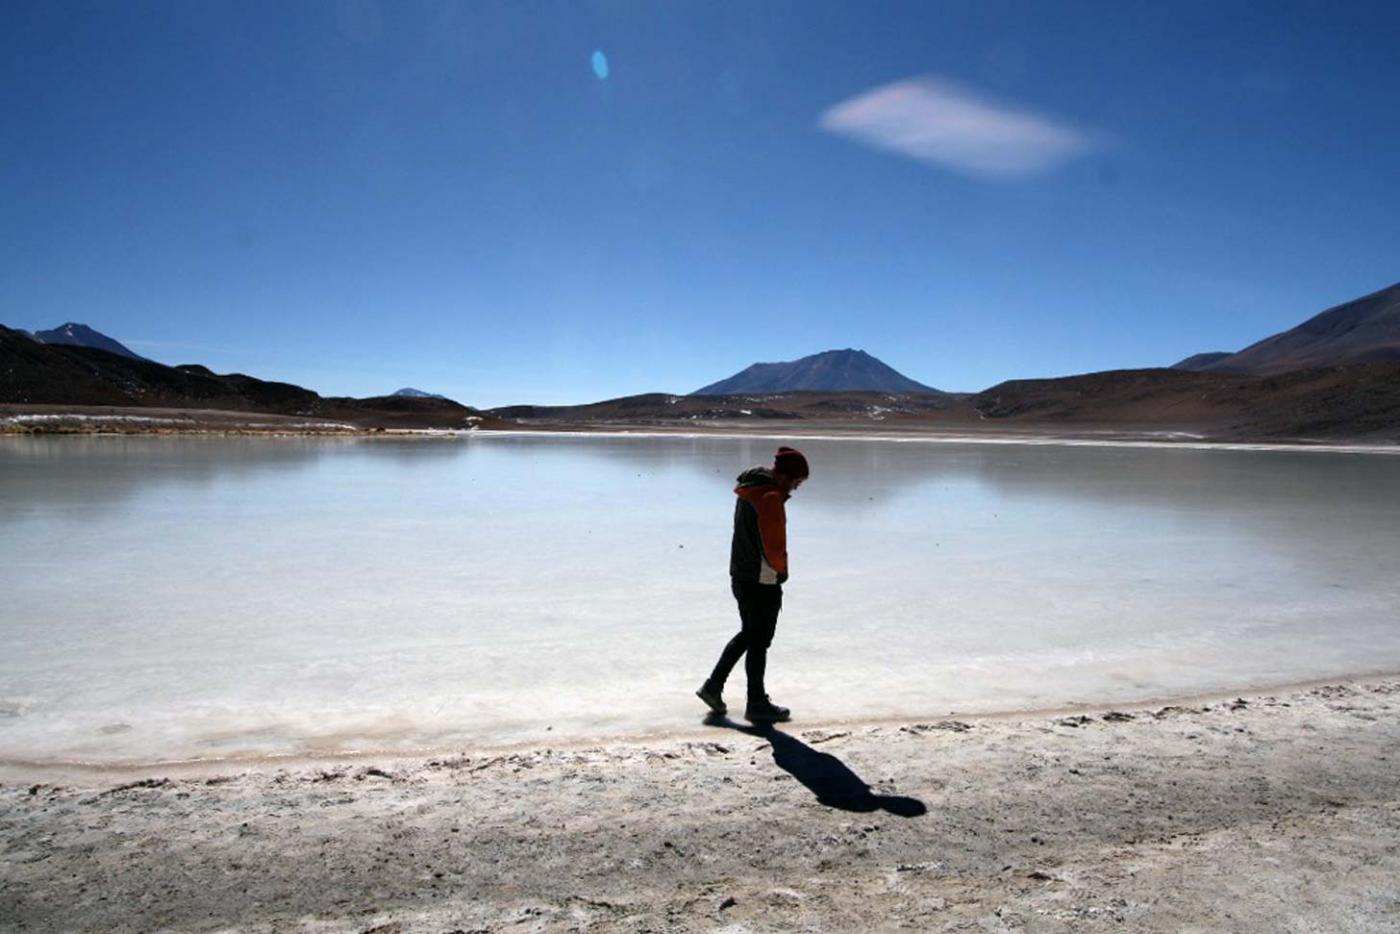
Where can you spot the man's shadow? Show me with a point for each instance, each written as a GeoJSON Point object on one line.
{"type": "Point", "coordinates": [826, 776]}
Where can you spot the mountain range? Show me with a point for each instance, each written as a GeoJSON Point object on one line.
{"type": "Point", "coordinates": [1335, 375]}
{"type": "Point", "coordinates": [35, 372]}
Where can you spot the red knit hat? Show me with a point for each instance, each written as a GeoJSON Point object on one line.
{"type": "Point", "coordinates": [791, 462]}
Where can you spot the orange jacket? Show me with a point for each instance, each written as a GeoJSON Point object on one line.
{"type": "Point", "coordinates": [759, 548]}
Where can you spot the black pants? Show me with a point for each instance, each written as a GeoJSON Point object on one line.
{"type": "Point", "coordinates": [758, 612]}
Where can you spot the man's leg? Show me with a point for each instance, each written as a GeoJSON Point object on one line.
{"type": "Point", "coordinates": [760, 615]}
{"type": "Point", "coordinates": [727, 660]}
{"type": "Point", "coordinates": [735, 647]}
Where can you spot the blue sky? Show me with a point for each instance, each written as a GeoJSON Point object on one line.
{"type": "Point", "coordinates": [362, 195]}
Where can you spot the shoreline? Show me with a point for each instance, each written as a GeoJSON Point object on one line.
{"type": "Point", "coordinates": [1272, 811]}
{"type": "Point", "coordinates": [48, 419]}
{"type": "Point", "coordinates": [942, 436]}
{"type": "Point", "coordinates": [1087, 437]}
{"type": "Point", "coordinates": [50, 770]}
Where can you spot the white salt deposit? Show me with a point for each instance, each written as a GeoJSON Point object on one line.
{"type": "Point", "coordinates": [171, 598]}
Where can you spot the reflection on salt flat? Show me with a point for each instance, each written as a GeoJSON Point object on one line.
{"type": "Point", "coordinates": [196, 597]}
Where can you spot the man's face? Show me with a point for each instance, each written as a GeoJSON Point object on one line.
{"type": "Point", "coordinates": [787, 483]}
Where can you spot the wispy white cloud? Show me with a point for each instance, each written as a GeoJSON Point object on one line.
{"type": "Point", "coordinates": [947, 125]}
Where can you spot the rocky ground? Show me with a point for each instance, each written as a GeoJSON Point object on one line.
{"type": "Point", "coordinates": [1267, 813]}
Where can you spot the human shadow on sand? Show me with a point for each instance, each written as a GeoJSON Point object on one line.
{"type": "Point", "coordinates": [826, 776]}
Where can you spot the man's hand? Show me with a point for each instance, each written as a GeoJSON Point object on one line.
{"type": "Point", "coordinates": [782, 577]}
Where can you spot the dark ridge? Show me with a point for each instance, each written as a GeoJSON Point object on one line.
{"type": "Point", "coordinates": [62, 374]}
{"type": "Point", "coordinates": [1201, 360]}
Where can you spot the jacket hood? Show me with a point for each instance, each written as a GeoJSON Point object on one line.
{"type": "Point", "coordinates": [755, 476]}
{"type": "Point", "coordinates": [755, 482]}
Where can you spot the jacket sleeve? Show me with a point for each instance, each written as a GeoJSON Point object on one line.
{"type": "Point", "coordinates": [772, 529]}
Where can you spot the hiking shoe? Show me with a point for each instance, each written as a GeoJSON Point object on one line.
{"type": "Point", "coordinates": [763, 709]}
{"type": "Point", "coordinates": [712, 699]}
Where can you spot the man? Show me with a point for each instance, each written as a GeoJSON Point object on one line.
{"type": "Point", "coordinates": [757, 570]}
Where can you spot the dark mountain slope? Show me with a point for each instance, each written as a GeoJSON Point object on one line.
{"type": "Point", "coordinates": [1366, 330]}
{"type": "Point", "coordinates": [831, 371]}
{"type": "Point", "coordinates": [1360, 401]}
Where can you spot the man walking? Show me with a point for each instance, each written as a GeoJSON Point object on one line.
{"type": "Point", "coordinates": [757, 570]}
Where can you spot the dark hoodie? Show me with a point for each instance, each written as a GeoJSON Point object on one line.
{"type": "Point", "coordinates": [759, 550]}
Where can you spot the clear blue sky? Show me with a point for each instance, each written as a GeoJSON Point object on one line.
{"type": "Point", "coordinates": [363, 195]}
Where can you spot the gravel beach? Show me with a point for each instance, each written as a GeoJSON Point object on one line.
{"type": "Point", "coordinates": [1276, 812]}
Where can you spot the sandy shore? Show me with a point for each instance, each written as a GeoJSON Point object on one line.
{"type": "Point", "coordinates": [1269, 813]}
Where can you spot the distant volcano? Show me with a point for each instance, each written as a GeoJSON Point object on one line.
{"type": "Point", "coordinates": [832, 371]}
{"type": "Point", "coordinates": [80, 335]}
{"type": "Point", "coordinates": [410, 393]}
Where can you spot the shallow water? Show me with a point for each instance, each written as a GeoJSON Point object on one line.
{"type": "Point", "coordinates": [167, 598]}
